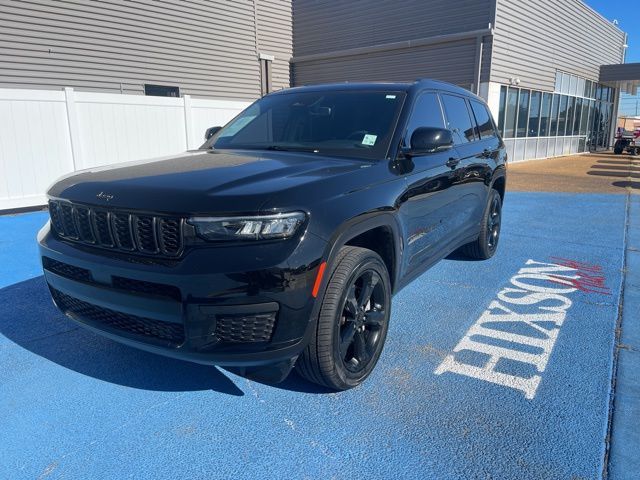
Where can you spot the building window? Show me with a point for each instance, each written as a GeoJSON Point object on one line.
{"type": "Point", "coordinates": [511, 113]}
{"type": "Point", "coordinates": [562, 115]}
{"type": "Point", "coordinates": [571, 110]}
{"type": "Point", "coordinates": [558, 87]}
{"type": "Point", "coordinates": [578, 114]}
{"type": "Point", "coordinates": [573, 85]}
{"type": "Point", "coordinates": [545, 114]}
{"type": "Point", "coordinates": [580, 87]}
{"type": "Point", "coordinates": [534, 114]}
{"type": "Point", "coordinates": [553, 131]}
{"type": "Point", "coordinates": [566, 83]}
{"type": "Point", "coordinates": [523, 113]}
{"type": "Point", "coordinates": [586, 112]}
{"type": "Point", "coordinates": [161, 91]}
{"type": "Point", "coordinates": [501, 109]}
{"type": "Point", "coordinates": [531, 113]}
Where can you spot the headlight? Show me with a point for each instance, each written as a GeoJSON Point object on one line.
{"type": "Point", "coordinates": [259, 227]}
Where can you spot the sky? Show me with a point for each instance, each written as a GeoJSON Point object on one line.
{"type": "Point", "coordinates": [628, 16]}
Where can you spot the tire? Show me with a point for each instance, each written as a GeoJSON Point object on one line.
{"type": "Point", "coordinates": [618, 147]}
{"type": "Point", "coordinates": [350, 332]}
{"type": "Point", "coordinates": [487, 243]}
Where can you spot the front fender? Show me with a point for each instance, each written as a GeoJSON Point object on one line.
{"type": "Point", "coordinates": [359, 225]}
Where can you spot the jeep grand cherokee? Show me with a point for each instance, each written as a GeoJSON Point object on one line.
{"type": "Point", "coordinates": [281, 241]}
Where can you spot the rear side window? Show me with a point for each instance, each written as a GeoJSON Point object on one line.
{"type": "Point", "coordinates": [483, 117]}
{"type": "Point", "coordinates": [458, 119]}
{"type": "Point", "coordinates": [426, 113]}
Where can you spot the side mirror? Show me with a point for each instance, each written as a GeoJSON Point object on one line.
{"type": "Point", "coordinates": [425, 140]}
{"type": "Point", "coordinates": [210, 132]}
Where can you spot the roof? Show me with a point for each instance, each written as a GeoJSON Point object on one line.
{"type": "Point", "coordinates": [625, 76]}
{"type": "Point", "coordinates": [391, 86]}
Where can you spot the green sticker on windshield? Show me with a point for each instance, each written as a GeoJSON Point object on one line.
{"type": "Point", "coordinates": [369, 140]}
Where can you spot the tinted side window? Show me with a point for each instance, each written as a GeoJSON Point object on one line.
{"type": "Point", "coordinates": [458, 119]}
{"type": "Point", "coordinates": [485, 125]}
{"type": "Point", "coordinates": [426, 113]}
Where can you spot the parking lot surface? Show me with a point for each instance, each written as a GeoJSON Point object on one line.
{"type": "Point", "coordinates": [495, 369]}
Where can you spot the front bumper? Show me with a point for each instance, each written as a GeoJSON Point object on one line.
{"type": "Point", "coordinates": [237, 306]}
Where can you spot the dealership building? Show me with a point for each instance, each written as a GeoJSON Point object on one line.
{"type": "Point", "coordinates": [552, 72]}
{"type": "Point", "coordinates": [540, 64]}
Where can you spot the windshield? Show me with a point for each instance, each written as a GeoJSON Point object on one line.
{"type": "Point", "coordinates": [347, 123]}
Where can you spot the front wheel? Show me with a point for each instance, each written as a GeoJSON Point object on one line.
{"type": "Point", "coordinates": [353, 322]}
{"type": "Point", "coordinates": [487, 243]}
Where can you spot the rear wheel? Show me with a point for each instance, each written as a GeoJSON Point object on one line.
{"type": "Point", "coordinates": [487, 243]}
{"type": "Point", "coordinates": [353, 322]}
{"type": "Point", "coordinates": [618, 147]}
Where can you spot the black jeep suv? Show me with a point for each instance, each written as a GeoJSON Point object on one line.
{"type": "Point", "coordinates": [282, 239]}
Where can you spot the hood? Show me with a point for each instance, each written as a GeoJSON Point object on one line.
{"type": "Point", "coordinates": [199, 182]}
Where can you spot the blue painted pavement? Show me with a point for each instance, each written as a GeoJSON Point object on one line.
{"type": "Point", "coordinates": [75, 405]}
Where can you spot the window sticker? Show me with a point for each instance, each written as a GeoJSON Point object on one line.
{"type": "Point", "coordinates": [369, 140]}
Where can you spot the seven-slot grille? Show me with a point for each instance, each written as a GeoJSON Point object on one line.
{"type": "Point", "coordinates": [119, 230]}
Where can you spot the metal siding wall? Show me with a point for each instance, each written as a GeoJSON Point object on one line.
{"type": "Point", "coordinates": [487, 49]}
{"type": "Point", "coordinates": [533, 39]}
{"type": "Point", "coordinates": [205, 48]}
{"type": "Point", "coordinates": [452, 62]}
{"type": "Point", "coordinates": [326, 25]}
{"type": "Point", "coordinates": [275, 37]}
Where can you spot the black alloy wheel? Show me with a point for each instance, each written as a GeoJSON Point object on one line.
{"type": "Point", "coordinates": [487, 243]}
{"type": "Point", "coordinates": [493, 223]}
{"type": "Point", "coordinates": [361, 322]}
{"type": "Point", "coordinates": [352, 325]}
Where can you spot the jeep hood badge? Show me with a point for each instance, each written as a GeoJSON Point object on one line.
{"type": "Point", "coordinates": [104, 196]}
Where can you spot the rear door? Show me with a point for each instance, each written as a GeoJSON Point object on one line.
{"type": "Point", "coordinates": [470, 170]}
{"type": "Point", "coordinates": [488, 155]}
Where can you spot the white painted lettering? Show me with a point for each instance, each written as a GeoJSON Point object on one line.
{"type": "Point", "coordinates": [538, 284]}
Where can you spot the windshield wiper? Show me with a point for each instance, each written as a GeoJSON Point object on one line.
{"type": "Point", "coordinates": [283, 148]}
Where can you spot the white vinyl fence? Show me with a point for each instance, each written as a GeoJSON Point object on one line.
{"type": "Point", "coordinates": [47, 133]}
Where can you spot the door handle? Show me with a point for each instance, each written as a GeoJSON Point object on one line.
{"type": "Point", "coordinates": [452, 162]}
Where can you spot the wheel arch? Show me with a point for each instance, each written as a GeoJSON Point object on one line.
{"type": "Point", "coordinates": [378, 232]}
{"type": "Point", "coordinates": [499, 182]}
